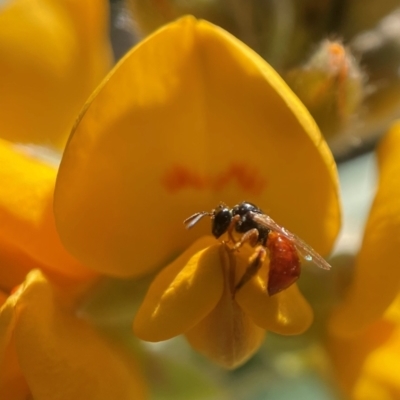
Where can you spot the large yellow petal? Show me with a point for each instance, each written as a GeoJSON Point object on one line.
{"type": "Point", "coordinates": [182, 294]}
{"type": "Point", "coordinates": [26, 216]}
{"type": "Point", "coordinates": [377, 274]}
{"type": "Point", "coordinates": [53, 54]}
{"type": "Point", "coordinates": [188, 118]}
{"type": "Point", "coordinates": [61, 356]}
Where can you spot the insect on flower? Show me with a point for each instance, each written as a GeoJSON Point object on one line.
{"type": "Point", "coordinates": [259, 230]}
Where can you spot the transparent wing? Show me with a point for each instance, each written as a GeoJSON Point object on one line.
{"type": "Point", "coordinates": [307, 252]}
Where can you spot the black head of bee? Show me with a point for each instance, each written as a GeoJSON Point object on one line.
{"type": "Point", "coordinates": [221, 220]}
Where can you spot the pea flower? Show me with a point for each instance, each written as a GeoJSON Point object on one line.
{"type": "Point", "coordinates": [49, 66]}
{"type": "Point", "coordinates": [195, 295]}
{"type": "Point", "coordinates": [189, 117]}
{"type": "Point", "coordinates": [377, 276]}
{"type": "Point", "coordinates": [53, 55]}
{"type": "Point", "coordinates": [46, 352]}
{"type": "Point", "coordinates": [44, 347]}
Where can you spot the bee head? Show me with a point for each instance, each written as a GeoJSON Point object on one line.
{"type": "Point", "coordinates": [222, 217]}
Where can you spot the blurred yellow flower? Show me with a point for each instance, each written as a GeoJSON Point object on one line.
{"type": "Point", "coordinates": [28, 235]}
{"type": "Point", "coordinates": [44, 347]}
{"type": "Point", "coordinates": [367, 365]}
{"type": "Point", "coordinates": [47, 353]}
{"type": "Point", "coordinates": [53, 54]}
{"type": "Point", "coordinates": [376, 280]}
{"type": "Point", "coordinates": [189, 117]}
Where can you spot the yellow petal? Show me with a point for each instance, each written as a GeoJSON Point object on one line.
{"type": "Point", "coordinates": [377, 274]}
{"type": "Point", "coordinates": [91, 20]}
{"type": "Point", "coordinates": [393, 312]}
{"type": "Point", "coordinates": [383, 365]}
{"type": "Point", "coordinates": [26, 216]}
{"type": "Point", "coordinates": [349, 355]}
{"type": "Point", "coordinates": [227, 335]}
{"type": "Point", "coordinates": [53, 54]}
{"type": "Point", "coordinates": [367, 364]}
{"type": "Point", "coordinates": [3, 297]}
{"type": "Point", "coordinates": [61, 356]}
{"type": "Point", "coordinates": [188, 118]}
{"type": "Point", "coordinates": [286, 313]}
{"type": "Point", "coordinates": [368, 389]}
{"type": "Point", "coordinates": [13, 385]}
{"type": "Point", "coordinates": [14, 265]}
{"type": "Point", "coordinates": [182, 294]}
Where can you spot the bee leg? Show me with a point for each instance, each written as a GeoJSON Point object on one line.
{"type": "Point", "coordinates": [232, 226]}
{"type": "Point", "coordinates": [256, 261]}
{"type": "Point", "coordinates": [250, 237]}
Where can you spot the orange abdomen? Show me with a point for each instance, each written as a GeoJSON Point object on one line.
{"type": "Point", "coordinates": [284, 266]}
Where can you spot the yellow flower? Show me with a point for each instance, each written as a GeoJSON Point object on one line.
{"type": "Point", "coordinates": [44, 348]}
{"type": "Point", "coordinates": [189, 117]}
{"type": "Point", "coordinates": [46, 352]}
{"type": "Point", "coordinates": [53, 54]}
{"type": "Point", "coordinates": [28, 235]}
{"type": "Point", "coordinates": [367, 365]}
{"type": "Point", "coordinates": [376, 280]}
{"type": "Point", "coordinates": [194, 295]}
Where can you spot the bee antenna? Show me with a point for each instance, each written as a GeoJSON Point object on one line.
{"type": "Point", "coordinates": [195, 218]}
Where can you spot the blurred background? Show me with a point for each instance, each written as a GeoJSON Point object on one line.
{"type": "Point", "coordinates": [341, 57]}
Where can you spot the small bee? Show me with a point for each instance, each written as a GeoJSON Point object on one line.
{"type": "Point", "coordinates": [259, 230]}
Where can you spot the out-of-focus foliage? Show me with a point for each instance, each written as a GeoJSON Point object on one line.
{"type": "Point", "coordinates": [355, 106]}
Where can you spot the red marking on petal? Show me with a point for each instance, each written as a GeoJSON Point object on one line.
{"type": "Point", "coordinates": [180, 177]}
{"type": "Point", "coordinates": [248, 178]}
